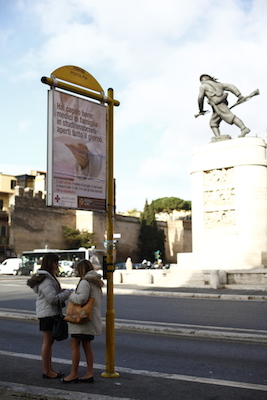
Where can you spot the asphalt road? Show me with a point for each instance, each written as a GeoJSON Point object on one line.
{"type": "Point", "coordinates": [151, 364]}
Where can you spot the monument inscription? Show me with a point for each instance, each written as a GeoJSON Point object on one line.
{"type": "Point", "coordinates": [219, 198]}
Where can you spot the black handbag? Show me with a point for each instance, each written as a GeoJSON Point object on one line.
{"type": "Point", "coordinates": [60, 326]}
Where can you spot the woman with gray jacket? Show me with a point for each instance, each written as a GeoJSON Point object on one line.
{"type": "Point", "coordinates": [90, 285]}
{"type": "Point", "coordinates": [49, 294]}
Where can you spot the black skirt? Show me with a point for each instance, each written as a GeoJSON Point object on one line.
{"type": "Point", "coordinates": [82, 337]}
{"type": "Point", "coordinates": [46, 323]}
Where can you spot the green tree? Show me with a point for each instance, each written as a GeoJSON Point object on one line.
{"type": "Point", "coordinates": [76, 238]}
{"type": "Point", "coordinates": [134, 212]}
{"type": "Point", "coordinates": [151, 238]}
{"type": "Point", "coordinates": [168, 204]}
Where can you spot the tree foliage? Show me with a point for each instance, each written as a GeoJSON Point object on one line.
{"type": "Point", "coordinates": [151, 238]}
{"type": "Point", "coordinates": [134, 212]}
{"type": "Point", "coordinates": [168, 204]}
{"type": "Point", "coordinates": [76, 238]}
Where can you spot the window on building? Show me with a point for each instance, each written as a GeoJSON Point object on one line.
{"type": "Point", "coordinates": [13, 183]}
{"type": "Point", "coordinates": [3, 230]}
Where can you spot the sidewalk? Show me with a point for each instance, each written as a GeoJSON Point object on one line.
{"type": "Point", "coordinates": [26, 382]}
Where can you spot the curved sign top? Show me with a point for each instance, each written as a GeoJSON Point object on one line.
{"type": "Point", "coordinates": [78, 76]}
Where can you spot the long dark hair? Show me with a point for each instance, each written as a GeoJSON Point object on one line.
{"type": "Point", "coordinates": [48, 262]}
{"type": "Point", "coordinates": [47, 265]}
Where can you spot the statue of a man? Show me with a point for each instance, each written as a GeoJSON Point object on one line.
{"type": "Point", "coordinates": [217, 98]}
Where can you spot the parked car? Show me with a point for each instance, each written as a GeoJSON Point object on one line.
{"type": "Point", "coordinates": [66, 268]}
{"type": "Point", "coordinates": [140, 266]}
{"type": "Point", "coordinates": [26, 268]}
{"type": "Point", "coordinates": [157, 265]}
{"type": "Point", "coordinates": [10, 266]}
{"type": "Point", "coordinates": [121, 265]}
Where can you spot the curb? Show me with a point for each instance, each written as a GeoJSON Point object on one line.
{"type": "Point", "coordinates": [191, 332]}
{"type": "Point", "coordinates": [164, 329]}
{"type": "Point", "coordinates": [188, 294]}
{"type": "Point", "coordinates": [11, 391]}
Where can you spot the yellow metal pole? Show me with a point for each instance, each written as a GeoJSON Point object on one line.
{"type": "Point", "coordinates": [110, 313]}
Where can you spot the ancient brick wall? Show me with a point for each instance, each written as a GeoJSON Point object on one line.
{"type": "Point", "coordinates": [179, 238]}
{"type": "Point", "coordinates": [127, 246]}
{"type": "Point", "coordinates": [35, 226]}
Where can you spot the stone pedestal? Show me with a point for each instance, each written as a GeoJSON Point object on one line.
{"type": "Point", "coordinates": [229, 204]}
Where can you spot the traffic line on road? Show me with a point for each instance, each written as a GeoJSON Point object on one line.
{"type": "Point", "coordinates": [152, 374]}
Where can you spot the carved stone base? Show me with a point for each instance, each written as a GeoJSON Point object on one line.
{"type": "Point", "coordinates": [220, 138]}
{"type": "Point", "coordinates": [229, 204]}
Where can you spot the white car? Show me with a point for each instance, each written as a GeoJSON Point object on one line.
{"type": "Point", "coordinates": [10, 266]}
{"type": "Point", "coordinates": [66, 268]}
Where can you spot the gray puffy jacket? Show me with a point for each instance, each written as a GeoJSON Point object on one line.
{"type": "Point", "coordinates": [49, 293]}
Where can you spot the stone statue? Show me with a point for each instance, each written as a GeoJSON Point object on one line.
{"type": "Point", "coordinates": [216, 94]}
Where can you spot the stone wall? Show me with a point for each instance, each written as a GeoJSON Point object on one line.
{"type": "Point", "coordinates": [128, 228]}
{"type": "Point", "coordinates": [35, 226]}
{"type": "Point", "coordinates": [179, 238]}
{"type": "Point", "coordinates": [127, 246]}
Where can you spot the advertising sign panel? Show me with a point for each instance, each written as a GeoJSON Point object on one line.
{"type": "Point", "coordinates": [76, 152]}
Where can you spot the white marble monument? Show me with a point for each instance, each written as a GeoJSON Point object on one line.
{"type": "Point", "coordinates": [229, 205]}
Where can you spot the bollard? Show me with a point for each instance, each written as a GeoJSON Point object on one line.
{"type": "Point", "coordinates": [215, 279]}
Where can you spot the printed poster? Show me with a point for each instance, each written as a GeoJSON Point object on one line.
{"type": "Point", "coordinates": [78, 144]}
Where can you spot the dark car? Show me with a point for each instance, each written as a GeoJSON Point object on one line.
{"type": "Point", "coordinates": [121, 265]}
{"type": "Point", "coordinates": [140, 266]}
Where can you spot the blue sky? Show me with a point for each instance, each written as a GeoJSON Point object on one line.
{"type": "Point", "coordinates": [151, 54]}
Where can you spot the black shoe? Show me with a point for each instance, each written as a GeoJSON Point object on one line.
{"type": "Point", "coordinates": [76, 380]}
{"type": "Point", "coordinates": [88, 380]}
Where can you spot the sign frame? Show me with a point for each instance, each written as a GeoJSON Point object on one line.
{"type": "Point", "coordinates": [76, 152]}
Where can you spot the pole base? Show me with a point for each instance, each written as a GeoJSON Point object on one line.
{"type": "Point", "coordinates": [110, 374]}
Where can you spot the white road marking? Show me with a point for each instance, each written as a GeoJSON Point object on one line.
{"type": "Point", "coordinates": [164, 328]}
{"type": "Point", "coordinates": [153, 374]}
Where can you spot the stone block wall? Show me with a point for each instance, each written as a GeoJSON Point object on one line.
{"type": "Point", "coordinates": [179, 238]}
{"type": "Point", "coordinates": [35, 226]}
{"type": "Point", "coordinates": [127, 246]}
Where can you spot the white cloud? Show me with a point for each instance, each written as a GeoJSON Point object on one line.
{"type": "Point", "coordinates": [152, 55]}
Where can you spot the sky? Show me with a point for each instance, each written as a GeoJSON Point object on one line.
{"type": "Point", "coordinates": [152, 54]}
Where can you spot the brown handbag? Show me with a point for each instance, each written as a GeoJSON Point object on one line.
{"type": "Point", "coordinates": [77, 314]}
